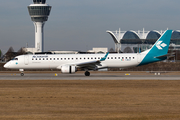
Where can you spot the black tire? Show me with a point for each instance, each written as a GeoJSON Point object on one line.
{"type": "Point", "coordinates": [87, 73]}
{"type": "Point", "coordinates": [22, 74]}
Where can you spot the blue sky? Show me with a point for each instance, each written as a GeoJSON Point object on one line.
{"type": "Point", "coordinates": [82, 24]}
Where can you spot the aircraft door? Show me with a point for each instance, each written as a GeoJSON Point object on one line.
{"type": "Point", "coordinates": [138, 58]}
{"type": "Point", "coordinates": [26, 59]}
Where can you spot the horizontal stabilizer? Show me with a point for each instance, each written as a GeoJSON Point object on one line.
{"type": "Point", "coordinates": [169, 55]}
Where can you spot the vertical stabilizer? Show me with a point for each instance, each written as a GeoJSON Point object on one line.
{"type": "Point", "coordinates": [159, 50]}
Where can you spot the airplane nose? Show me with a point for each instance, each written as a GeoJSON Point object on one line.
{"type": "Point", "coordinates": [6, 65]}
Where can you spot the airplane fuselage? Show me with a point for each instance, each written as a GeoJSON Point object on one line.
{"type": "Point", "coordinates": [70, 63]}
{"type": "Point", "coordinates": [53, 61]}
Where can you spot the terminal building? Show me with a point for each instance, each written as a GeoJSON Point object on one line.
{"type": "Point", "coordinates": [138, 41]}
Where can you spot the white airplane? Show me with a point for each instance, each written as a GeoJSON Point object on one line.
{"type": "Point", "coordinates": [70, 63]}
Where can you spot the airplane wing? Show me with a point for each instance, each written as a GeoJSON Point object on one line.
{"type": "Point", "coordinates": [91, 64]}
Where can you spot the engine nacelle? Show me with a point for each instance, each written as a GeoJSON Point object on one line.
{"type": "Point", "coordinates": [68, 69]}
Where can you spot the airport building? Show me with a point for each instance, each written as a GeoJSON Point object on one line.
{"type": "Point", "coordinates": [138, 41]}
{"type": "Point", "coordinates": [98, 50]}
{"type": "Point", "coordinates": [39, 12]}
{"type": "Point", "coordinates": [94, 50]}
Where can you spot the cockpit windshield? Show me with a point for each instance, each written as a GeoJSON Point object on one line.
{"type": "Point", "coordinates": [15, 59]}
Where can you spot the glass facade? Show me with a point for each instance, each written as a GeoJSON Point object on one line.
{"type": "Point", "coordinates": [39, 13]}
{"type": "Point", "coordinates": [131, 41]}
{"type": "Point", "coordinates": [39, 10]}
{"type": "Point", "coordinates": [175, 35]}
{"type": "Point", "coordinates": [175, 41]}
{"type": "Point", "coordinates": [153, 35]}
{"type": "Point", "coordinates": [39, 1]}
{"type": "Point", "coordinates": [131, 38]}
{"type": "Point", "coordinates": [130, 35]}
{"type": "Point", "coordinates": [39, 19]}
{"type": "Point", "coordinates": [150, 41]}
{"type": "Point", "coordinates": [175, 38]}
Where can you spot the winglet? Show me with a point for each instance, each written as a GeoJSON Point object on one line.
{"type": "Point", "coordinates": [104, 58]}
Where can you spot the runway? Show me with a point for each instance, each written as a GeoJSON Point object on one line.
{"type": "Point", "coordinates": [93, 76]}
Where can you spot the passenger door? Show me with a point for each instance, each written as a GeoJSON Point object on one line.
{"type": "Point", "coordinates": [26, 59]}
{"type": "Point", "coordinates": [138, 58]}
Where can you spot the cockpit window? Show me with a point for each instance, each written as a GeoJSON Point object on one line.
{"type": "Point", "coordinates": [15, 59]}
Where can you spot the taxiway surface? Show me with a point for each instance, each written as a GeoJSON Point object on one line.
{"type": "Point", "coordinates": [93, 76]}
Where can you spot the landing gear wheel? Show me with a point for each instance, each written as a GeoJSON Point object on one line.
{"type": "Point", "coordinates": [87, 73]}
{"type": "Point", "coordinates": [22, 74]}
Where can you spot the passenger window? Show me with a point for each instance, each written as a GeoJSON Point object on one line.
{"type": "Point", "coordinates": [119, 58]}
{"type": "Point", "coordinates": [57, 58]}
{"type": "Point", "coordinates": [46, 58]}
{"type": "Point", "coordinates": [32, 59]}
{"type": "Point", "coordinates": [43, 58]}
{"type": "Point", "coordinates": [50, 58]}
{"type": "Point", "coordinates": [39, 58]}
{"type": "Point", "coordinates": [115, 58]}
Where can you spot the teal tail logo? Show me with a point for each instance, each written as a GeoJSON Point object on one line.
{"type": "Point", "coordinates": [159, 50]}
{"type": "Point", "coordinates": [159, 45]}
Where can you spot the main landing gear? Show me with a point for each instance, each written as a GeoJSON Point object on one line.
{"type": "Point", "coordinates": [87, 73]}
{"type": "Point", "coordinates": [22, 72]}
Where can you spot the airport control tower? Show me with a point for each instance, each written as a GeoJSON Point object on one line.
{"type": "Point", "coordinates": [39, 12]}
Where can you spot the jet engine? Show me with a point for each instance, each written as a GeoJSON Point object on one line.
{"type": "Point", "coordinates": [68, 69]}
